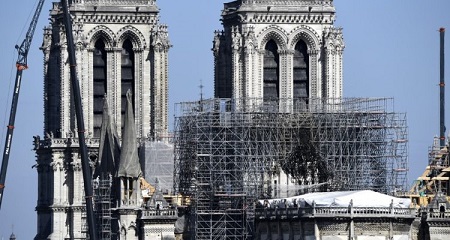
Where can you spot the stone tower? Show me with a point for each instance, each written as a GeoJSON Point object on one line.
{"type": "Point", "coordinates": [120, 47]}
{"type": "Point", "coordinates": [278, 49]}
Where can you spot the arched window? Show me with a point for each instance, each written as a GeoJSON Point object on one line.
{"type": "Point", "coordinates": [271, 72]}
{"type": "Point", "coordinates": [127, 81]}
{"type": "Point", "coordinates": [100, 83]}
{"type": "Point", "coordinates": [301, 73]}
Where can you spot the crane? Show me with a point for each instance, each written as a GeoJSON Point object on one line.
{"type": "Point", "coordinates": [87, 176]}
{"type": "Point", "coordinates": [21, 65]}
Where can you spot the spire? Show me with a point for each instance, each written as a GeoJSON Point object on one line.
{"type": "Point", "coordinates": [109, 150]}
{"type": "Point", "coordinates": [129, 160]}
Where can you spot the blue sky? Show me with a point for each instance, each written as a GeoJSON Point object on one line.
{"type": "Point", "coordinates": [392, 50]}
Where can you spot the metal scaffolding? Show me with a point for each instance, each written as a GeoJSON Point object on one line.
{"type": "Point", "coordinates": [231, 152]}
{"type": "Point", "coordinates": [103, 204]}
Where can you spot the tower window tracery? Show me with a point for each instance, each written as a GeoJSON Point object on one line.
{"type": "Point", "coordinates": [271, 72]}
{"type": "Point", "coordinates": [100, 83]}
{"type": "Point", "coordinates": [128, 76]}
{"type": "Point", "coordinates": [301, 72]}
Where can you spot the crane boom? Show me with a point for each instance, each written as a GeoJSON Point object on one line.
{"type": "Point", "coordinates": [87, 176]}
{"type": "Point", "coordinates": [21, 65]}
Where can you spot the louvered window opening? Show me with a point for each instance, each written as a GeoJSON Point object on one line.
{"type": "Point", "coordinates": [301, 75]}
{"type": "Point", "coordinates": [127, 81]}
{"type": "Point", "coordinates": [100, 84]}
{"type": "Point", "coordinates": [271, 72]}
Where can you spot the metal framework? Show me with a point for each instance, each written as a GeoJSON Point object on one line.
{"type": "Point", "coordinates": [231, 152]}
{"type": "Point", "coordinates": [158, 160]}
{"type": "Point", "coordinates": [103, 204]}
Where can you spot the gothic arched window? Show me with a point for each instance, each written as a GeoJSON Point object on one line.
{"type": "Point", "coordinates": [301, 72]}
{"type": "Point", "coordinates": [100, 84]}
{"type": "Point", "coordinates": [127, 69]}
{"type": "Point", "coordinates": [271, 72]}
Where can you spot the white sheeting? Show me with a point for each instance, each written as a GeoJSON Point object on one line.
{"type": "Point", "coordinates": [363, 198]}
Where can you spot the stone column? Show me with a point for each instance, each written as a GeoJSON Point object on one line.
{"type": "Point", "coordinates": [259, 75]}
{"type": "Point", "coordinates": [314, 70]}
{"type": "Point", "coordinates": [157, 91]}
{"type": "Point", "coordinates": [340, 71]}
{"type": "Point", "coordinates": [286, 80]}
{"type": "Point", "coordinates": [88, 107]}
{"type": "Point", "coordinates": [84, 80]}
{"type": "Point", "coordinates": [138, 93]}
{"type": "Point", "coordinates": [165, 92]}
{"type": "Point", "coordinates": [78, 191]}
{"type": "Point", "coordinates": [248, 72]}
{"type": "Point", "coordinates": [66, 96]}
{"type": "Point", "coordinates": [352, 223]}
{"type": "Point", "coordinates": [236, 63]}
{"type": "Point", "coordinates": [115, 88]}
{"type": "Point", "coordinates": [146, 94]}
{"type": "Point", "coordinates": [316, 230]}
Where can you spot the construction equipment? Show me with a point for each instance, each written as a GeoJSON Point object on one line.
{"type": "Point", "coordinates": [21, 65]}
{"type": "Point", "coordinates": [87, 176]}
{"type": "Point", "coordinates": [435, 181]}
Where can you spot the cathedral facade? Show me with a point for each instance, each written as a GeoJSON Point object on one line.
{"type": "Point", "coordinates": [282, 52]}
{"type": "Point", "coordinates": [120, 47]}
{"type": "Point", "coordinates": [278, 50]}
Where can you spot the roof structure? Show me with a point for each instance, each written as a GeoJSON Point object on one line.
{"type": "Point", "coordinates": [109, 149]}
{"type": "Point", "coordinates": [129, 165]}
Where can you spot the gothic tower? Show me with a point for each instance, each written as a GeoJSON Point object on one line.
{"type": "Point", "coordinates": [287, 50]}
{"type": "Point", "coordinates": [120, 48]}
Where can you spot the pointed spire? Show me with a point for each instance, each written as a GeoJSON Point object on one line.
{"type": "Point", "coordinates": [109, 149]}
{"type": "Point", "coordinates": [129, 165]}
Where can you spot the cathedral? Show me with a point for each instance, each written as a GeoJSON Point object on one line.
{"type": "Point", "coordinates": [278, 77]}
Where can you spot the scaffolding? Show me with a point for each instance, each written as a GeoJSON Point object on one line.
{"type": "Point", "coordinates": [103, 201]}
{"type": "Point", "coordinates": [231, 152]}
{"type": "Point", "coordinates": [157, 163]}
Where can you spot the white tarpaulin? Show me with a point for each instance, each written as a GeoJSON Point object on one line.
{"type": "Point", "coordinates": [363, 198]}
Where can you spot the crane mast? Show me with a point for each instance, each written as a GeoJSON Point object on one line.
{"type": "Point", "coordinates": [21, 65]}
{"type": "Point", "coordinates": [87, 176]}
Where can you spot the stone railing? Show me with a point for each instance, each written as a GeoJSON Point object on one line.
{"type": "Point", "coordinates": [48, 142]}
{"type": "Point", "coordinates": [350, 212]}
{"type": "Point", "coordinates": [438, 215]}
{"type": "Point", "coordinates": [289, 2]}
{"type": "Point", "coordinates": [115, 2]}
{"type": "Point", "coordinates": [159, 214]}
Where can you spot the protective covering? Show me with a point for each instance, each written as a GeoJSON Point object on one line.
{"type": "Point", "coordinates": [109, 150]}
{"type": "Point", "coordinates": [158, 163]}
{"type": "Point", "coordinates": [129, 159]}
{"type": "Point", "coordinates": [363, 198]}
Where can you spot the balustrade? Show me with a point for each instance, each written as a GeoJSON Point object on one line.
{"type": "Point", "coordinates": [293, 212]}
